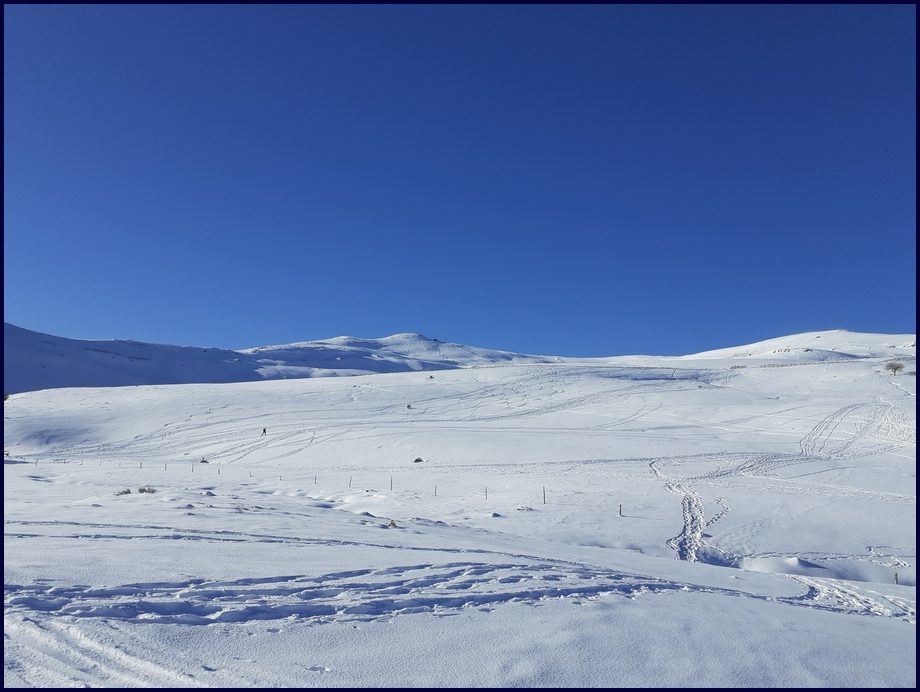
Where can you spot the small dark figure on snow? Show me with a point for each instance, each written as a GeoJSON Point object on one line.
{"type": "Point", "coordinates": [408, 405]}
{"type": "Point", "coordinates": [264, 431]}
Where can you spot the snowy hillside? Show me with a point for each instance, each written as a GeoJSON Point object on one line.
{"type": "Point", "coordinates": [699, 521]}
{"type": "Point", "coordinates": [396, 353]}
{"type": "Point", "coordinates": [837, 344]}
{"type": "Point", "coordinates": [32, 360]}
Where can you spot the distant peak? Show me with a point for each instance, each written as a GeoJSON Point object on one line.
{"type": "Point", "coordinates": [409, 336]}
{"type": "Point", "coordinates": [400, 337]}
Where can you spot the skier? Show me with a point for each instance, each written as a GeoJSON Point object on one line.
{"type": "Point", "coordinates": [264, 431]}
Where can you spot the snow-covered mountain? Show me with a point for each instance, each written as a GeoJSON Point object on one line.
{"type": "Point", "coordinates": [355, 356]}
{"type": "Point", "coordinates": [34, 361]}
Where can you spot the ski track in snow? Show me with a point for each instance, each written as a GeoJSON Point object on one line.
{"type": "Point", "coordinates": [372, 594]}
{"type": "Point", "coordinates": [67, 656]}
{"type": "Point", "coordinates": [71, 658]}
{"type": "Point", "coordinates": [521, 397]}
{"type": "Point", "coordinates": [885, 428]}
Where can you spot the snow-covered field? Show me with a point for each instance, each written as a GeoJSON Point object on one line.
{"type": "Point", "coordinates": [734, 518]}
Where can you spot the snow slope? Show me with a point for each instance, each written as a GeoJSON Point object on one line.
{"type": "Point", "coordinates": [676, 522]}
{"type": "Point", "coordinates": [32, 360]}
{"type": "Point", "coordinates": [836, 344]}
{"type": "Point", "coordinates": [396, 353]}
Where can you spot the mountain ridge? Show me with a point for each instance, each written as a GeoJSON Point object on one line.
{"type": "Point", "coordinates": [34, 360]}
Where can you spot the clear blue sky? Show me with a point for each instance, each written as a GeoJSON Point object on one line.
{"type": "Point", "coordinates": [576, 180]}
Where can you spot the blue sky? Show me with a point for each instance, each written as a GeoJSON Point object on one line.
{"type": "Point", "coordinates": [576, 180]}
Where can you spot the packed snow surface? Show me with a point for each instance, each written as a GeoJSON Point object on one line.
{"type": "Point", "coordinates": [742, 517]}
